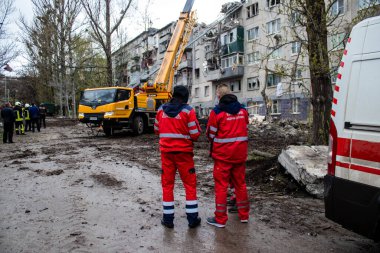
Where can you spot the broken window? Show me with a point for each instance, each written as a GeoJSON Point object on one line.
{"type": "Point", "coordinates": [295, 17]}
{"type": "Point", "coordinates": [253, 10]}
{"type": "Point", "coordinates": [253, 83]}
{"type": "Point", "coordinates": [253, 107]}
{"type": "Point", "coordinates": [235, 86]}
{"type": "Point", "coordinates": [272, 3]}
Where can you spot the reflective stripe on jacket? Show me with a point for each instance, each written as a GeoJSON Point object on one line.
{"type": "Point", "coordinates": [26, 114]}
{"type": "Point", "coordinates": [19, 115]}
{"type": "Point", "coordinates": [177, 133]}
{"type": "Point", "coordinates": [229, 136]}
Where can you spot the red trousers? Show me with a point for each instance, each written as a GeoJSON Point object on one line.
{"type": "Point", "coordinates": [183, 162]}
{"type": "Point", "coordinates": [223, 173]}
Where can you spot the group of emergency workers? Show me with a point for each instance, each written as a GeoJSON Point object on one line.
{"type": "Point", "coordinates": [177, 127]}
{"type": "Point", "coordinates": [21, 119]}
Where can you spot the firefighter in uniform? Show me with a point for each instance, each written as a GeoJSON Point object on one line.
{"type": "Point", "coordinates": [177, 127]}
{"type": "Point", "coordinates": [227, 130]}
{"type": "Point", "coordinates": [28, 124]}
{"type": "Point", "coordinates": [19, 125]}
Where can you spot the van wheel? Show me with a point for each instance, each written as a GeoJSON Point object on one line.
{"type": "Point", "coordinates": [138, 125]}
{"type": "Point", "coordinates": [108, 131]}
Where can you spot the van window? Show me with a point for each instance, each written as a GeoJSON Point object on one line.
{"type": "Point", "coordinates": [363, 101]}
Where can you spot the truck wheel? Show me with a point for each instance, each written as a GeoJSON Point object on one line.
{"type": "Point", "coordinates": [138, 125]}
{"type": "Point", "coordinates": [108, 131]}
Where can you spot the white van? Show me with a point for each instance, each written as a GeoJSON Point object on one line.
{"type": "Point", "coordinates": [352, 185]}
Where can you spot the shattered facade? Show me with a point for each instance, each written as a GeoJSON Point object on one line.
{"type": "Point", "coordinates": [256, 48]}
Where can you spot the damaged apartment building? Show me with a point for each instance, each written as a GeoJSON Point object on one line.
{"type": "Point", "coordinates": [257, 47]}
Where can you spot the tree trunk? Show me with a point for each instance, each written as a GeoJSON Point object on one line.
{"type": "Point", "coordinates": [319, 70]}
{"type": "Point", "coordinates": [108, 43]}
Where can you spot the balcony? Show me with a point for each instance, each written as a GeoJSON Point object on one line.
{"type": "Point", "coordinates": [234, 47]}
{"type": "Point", "coordinates": [226, 73]}
{"type": "Point", "coordinates": [185, 64]}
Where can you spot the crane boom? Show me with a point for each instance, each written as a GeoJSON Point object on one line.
{"type": "Point", "coordinates": [182, 31]}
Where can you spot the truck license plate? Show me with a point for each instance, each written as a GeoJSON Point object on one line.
{"type": "Point", "coordinates": [93, 118]}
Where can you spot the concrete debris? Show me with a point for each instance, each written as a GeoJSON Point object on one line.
{"type": "Point", "coordinates": [307, 165]}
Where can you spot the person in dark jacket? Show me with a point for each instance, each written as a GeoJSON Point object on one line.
{"type": "Point", "coordinates": [34, 117]}
{"type": "Point", "coordinates": [178, 127]}
{"type": "Point", "coordinates": [43, 111]}
{"type": "Point", "coordinates": [8, 117]}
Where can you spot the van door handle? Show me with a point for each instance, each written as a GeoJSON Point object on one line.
{"type": "Point", "coordinates": [126, 107]}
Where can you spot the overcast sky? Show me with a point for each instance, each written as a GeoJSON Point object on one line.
{"type": "Point", "coordinates": [161, 12]}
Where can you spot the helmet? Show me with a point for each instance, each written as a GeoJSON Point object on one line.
{"type": "Point", "coordinates": [18, 103]}
{"type": "Point", "coordinates": [27, 105]}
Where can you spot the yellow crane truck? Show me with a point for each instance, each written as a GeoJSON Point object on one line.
{"type": "Point", "coordinates": [116, 108]}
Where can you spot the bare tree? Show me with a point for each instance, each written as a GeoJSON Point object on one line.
{"type": "Point", "coordinates": [99, 15]}
{"type": "Point", "coordinates": [8, 49]}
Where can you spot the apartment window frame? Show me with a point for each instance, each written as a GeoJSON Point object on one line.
{"type": "Point", "coordinates": [253, 107]}
{"type": "Point", "coordinates": [276, 107]}
{"type": "Point", "coordinates": [207, 91]}
{"type": "Point", "coordinates": [338, 8]}
{"type": "Point", "coordinates": [234, 84]}
{"type": "Point", "coordinates": [296, 102]}
{"type": "Point", "coordinates": [253, 34]}
{"type": "Point", "coordinates": [273, 80]}
{"type": "Point", "coordinates": [295, 17]}
{"type": "Point", "coordinates": [337, 41]}
{"type": "Point", "coordinates": [196, 92]}
{"type": "Point", "coordinates": [276, 53]}
{"type": "Point", "coordinates": [253, 83]}
{"type": "Point", "coordinates": [296, 47]}
{"type": "Point", "coordinates": [253, 58]}
{"type": "Point", "coordinates": [363, 4]}
{"type": "Point", "coordinates": [274, 26]}
{"type": "Point", "coordinates": [252, 10]}
{"type": "Point", "coordinates": [273, 3]}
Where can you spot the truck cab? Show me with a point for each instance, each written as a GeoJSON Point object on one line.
{"type": "Point", "coordinates": [352, 185]}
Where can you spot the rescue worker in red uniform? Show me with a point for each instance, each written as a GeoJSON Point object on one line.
{"type": "Point", "coordinates": [178, 127]}
{"type": "Point", "coordinates": [227, 130]}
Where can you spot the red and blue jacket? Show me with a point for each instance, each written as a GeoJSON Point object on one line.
{"type": "Point", "coordinates": [177, 126]}
{"type": "Point", "coordinates": [227, 130]}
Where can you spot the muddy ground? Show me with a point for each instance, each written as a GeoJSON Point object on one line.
{"type": "Point", "coordinates": [66, 190]}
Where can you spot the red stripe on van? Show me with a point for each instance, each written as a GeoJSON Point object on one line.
{"type": "Point", "coordinates": [342, 64]}
{"type": "Point", "coordinates": [333, 113]}
{"type": "Point", "coordinates": [344, 165]}
{"type": "Point", "coordinates": [335, 101]}
{"type": "Point", "coordinates": [339, 76]}
{"type": "Point", "coordinates": [343, 147]}
{"type": "Point", "coordinates": [365, 169]}
{"type": "Point", "coordinates": [349, 40]}
{"type": "Point", "coordinates": [366, 150]}
{"type": "Point", "coordinates": [337, 88]}
{"type": "Point", "coordinates": [358, 168]}
{"type": "Point", "coordinates": [345, 52]}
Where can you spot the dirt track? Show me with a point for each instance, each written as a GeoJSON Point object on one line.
{"type": "Point", "coordinates": [64, 190]}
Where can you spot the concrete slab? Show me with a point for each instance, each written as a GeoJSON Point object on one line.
{"type": "Point", "coordinates": [307, 165]}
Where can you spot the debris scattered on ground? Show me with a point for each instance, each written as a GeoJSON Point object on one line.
{"type": "Point", "coordinates": [54, 172]}
{"type": "Point", "coordinates": [106, 180]}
